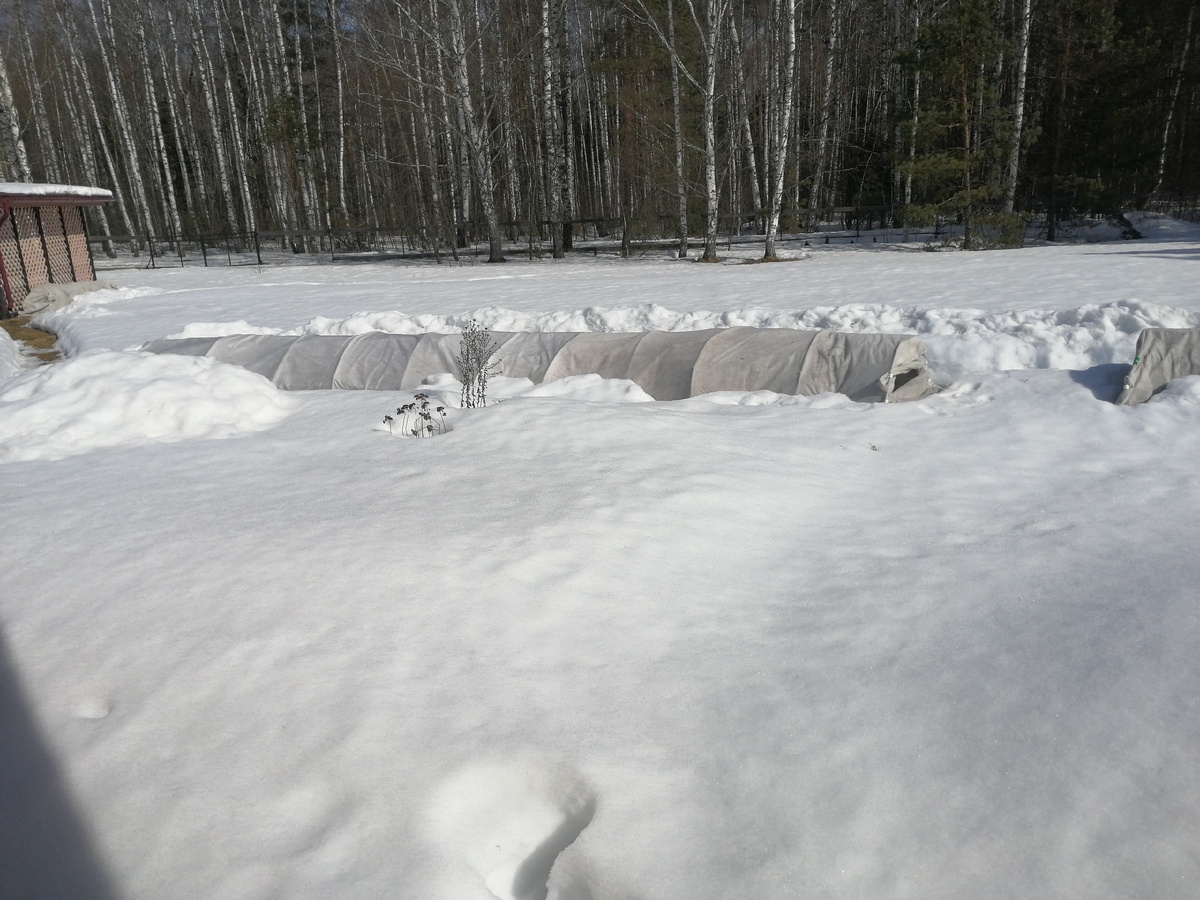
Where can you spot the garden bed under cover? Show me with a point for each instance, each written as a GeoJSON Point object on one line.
{"type": "Point", "coordinates": [667, 365]}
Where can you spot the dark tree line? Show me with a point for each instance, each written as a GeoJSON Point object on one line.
{"type": "Point", "coordinates": [502, 119]}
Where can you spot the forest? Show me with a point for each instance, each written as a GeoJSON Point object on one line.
{"type": "Point", "coordinates": [500, 120]}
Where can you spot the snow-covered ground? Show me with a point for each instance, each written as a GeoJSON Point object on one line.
{"type": "Point", "coordinates": [735, 646]}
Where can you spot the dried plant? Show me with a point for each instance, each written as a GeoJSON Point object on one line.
{"type": "Point", "coordinates": [475, 364]}
{"type": "Point", "coordinates": [419, 418]}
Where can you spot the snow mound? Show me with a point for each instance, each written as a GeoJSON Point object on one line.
{"type": "Point", "coordinates": [770, 398]}
{"type": "Point", "coordinates": [10, 356]}
{"type": "Point", "coordinates": [448, 389]}
{"type": "Point", "coordinates": [590, 387]}
{"type": "Point", "coordinates": [220, 329]}
{"type": "Point", "coordinates": [110, 399]}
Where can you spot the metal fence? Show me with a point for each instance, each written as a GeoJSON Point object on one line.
{"type": "Point", "coordinates": [587, 236]}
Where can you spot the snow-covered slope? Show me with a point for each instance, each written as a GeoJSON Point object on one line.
{"type": "Point", "coordinates": [733, 646]}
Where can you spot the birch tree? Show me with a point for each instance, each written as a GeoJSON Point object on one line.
{"type": "Point", "coordinates": [1175, 88]}
{"type": "Point", "coordinates": [552, 132]}
{"type": "Point", "coordinates": [783, 26]}
{"type": "Point", "coordinates": [1018, 105]}
{"type": "Point", "coordinates": [10, 130]}
{"type": "Point", "coordinates": [475, 129]}
{"type": "Point", "coordinates": [710, 23]}
{"type": "Point", "coordinates": [817, 194]}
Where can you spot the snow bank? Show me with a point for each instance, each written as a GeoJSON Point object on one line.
{"type": "Point", "coordinates": [10, 356]}
{"type": "Point", "coordinates": [448, 390]}
{"type": "Point", "coordinates": [110, 399]}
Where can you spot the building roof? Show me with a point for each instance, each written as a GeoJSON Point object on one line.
{"type": "Point", "coordinates": [14, 193]}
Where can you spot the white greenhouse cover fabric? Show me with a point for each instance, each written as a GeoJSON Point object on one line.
{"type": "Point", "coordinates": [1162, 355]}
{"type": "Point", "coordinates": [667, 365]}
{"type": "Point", "coordinates": [51, 296]}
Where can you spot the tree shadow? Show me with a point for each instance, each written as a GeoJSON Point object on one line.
{"type": "Point", "coordinates": [1181, 253]}
{"type": "Point", "coordinates": [45, 850]}
{"type": "Point", "coordinates": [1105, 382]}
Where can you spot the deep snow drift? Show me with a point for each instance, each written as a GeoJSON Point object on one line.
{"type": "Point", "coordinates": [740, 645]}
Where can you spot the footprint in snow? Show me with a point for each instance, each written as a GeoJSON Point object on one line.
{"type": "Point", "coordinates": [510, 821]}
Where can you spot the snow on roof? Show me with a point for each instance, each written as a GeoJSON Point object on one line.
{"type": "Point", "coordinates": [48, 194]}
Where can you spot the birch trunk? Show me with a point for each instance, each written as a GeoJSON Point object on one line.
{"type": "Point", "coordinates": [1018, 113]}
{"type": "Point", "coordinates": [78, 127]}
{"type": "Point", "coordinates": [160, 143]}
{"type": "Point", "coordinates": [567, 112]}
{"type": "Point", "coordinates": [681, 196]}
{"type": "Point", "coordinates": [747, 133]}
{"type": "Point", "coordinates": [478, 139]}
{"type": "Point", "coordinates": [190, 151]}
{"type": "Point", "coordinates": [207, 84]}
{"type": "Point", "coordinates": [818, 188]}
{"type": "Point", "coordinates": [239, 144]}
{"type": "Point", "coordinates": [782, 128]}
{"type": "Point", "coordinates": [714, 20]}
{"type": "Point", "coordinates": [1166, 135]}
{"type": "Point", "coordinates": [307, 179]}
{"type": "Point", "coordinates": [129, 146]}
{"type": "Point", "coordinates": [554, 153]}
{"type": "Point", "coordinates": [319, 130]}
{"type": "Point", "coordinates": [339, 65]}
{"type": "Point", "coordinates": [84, 87]}
{"type": "Point", "coordinates": [10, 126]}
{"type": "Point", "coordinates": [169, 89]}
{"type": "Point", "coordinates": [278, 200]}
{"type": "Point", "coordinates": [47, 150]}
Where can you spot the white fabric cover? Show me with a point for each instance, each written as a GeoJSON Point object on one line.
{"type": "Point", "coordinates": [667, 365]}
{"type": "Point", "coordinates": [375, 361]}
{"type": "Point", "coordinates": [1162, 355]}
{"type": "Point", "coordinates": [310, 363]}
{"type": "Point", "coordinates": [51, 296]}
{"type": "Point", "coordinates": [753, 359]}
{"type": "Point", "coordinates": [528, 354]}
{"type": "Point", "coordinates": [261, 353]}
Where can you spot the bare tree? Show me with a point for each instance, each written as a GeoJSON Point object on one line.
{"type": "Point", "coordinates": [1018, 105]}
{"type": "Point", "coordinates": [783, 25]}
{"type": "Point", "coordinates": [1178, 83]}
{"type": "Point", "coordinates": [11, 140]}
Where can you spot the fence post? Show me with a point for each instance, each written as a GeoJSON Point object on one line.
{"type": "Point", "coordinates": [229, 249]}
{"type": "Point", "coordinates": [150, 244]}
{"type": "Point", "coordinates": [203, 251]}
{"type": "Point", "coordinates": [257, 250]}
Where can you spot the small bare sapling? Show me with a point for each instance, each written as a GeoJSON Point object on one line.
{"type": "Point", "coordinates": [475, 364]}
{"type": "Point", "coordinates": [419, 418]}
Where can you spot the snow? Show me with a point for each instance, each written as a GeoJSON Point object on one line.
{"type": "Point", "coordinates": [10, 356]}
{"type": "Point", "coordinates": [19, 189]}
{"type": "Point", "coordinates": [584, 643]}
{"type": "Point", "coordinates": [110, 399]}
